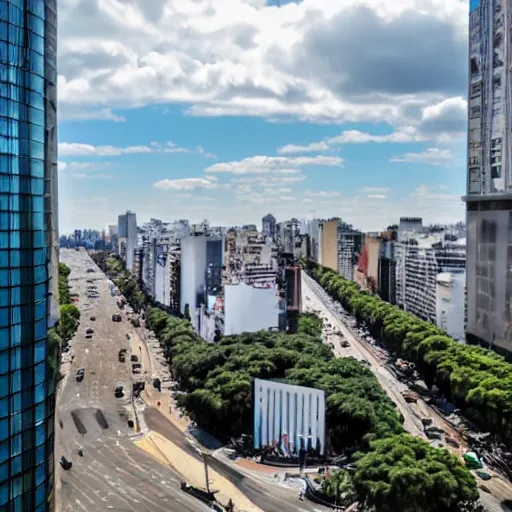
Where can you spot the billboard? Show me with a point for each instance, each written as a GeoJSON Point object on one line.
{"type": "Point", "coordinates": [291, 417]}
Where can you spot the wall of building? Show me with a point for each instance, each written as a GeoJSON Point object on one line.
{"type": "Point", "coordinates": [450, 303]}
{"type": "Point", "coordinates": [489, 271]}
{"type": "Point", "coordinates": [367, 273]}
{"type": "Point", "coordinates": [249, 309]}
{"type": "Point", "coordinates": [193, 270]}
{"type": "Point", "coordinates": [131, 238]}
{"type": "Point", "coordinates": [292, 417]}
{"type": "Point", "coordinates": [329, 251]}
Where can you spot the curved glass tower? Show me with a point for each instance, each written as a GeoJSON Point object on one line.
{"type": "Point", "coordinates": [28, 250]}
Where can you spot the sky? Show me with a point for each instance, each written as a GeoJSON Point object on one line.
{"type": "Point", "coordinates": [231, 109]}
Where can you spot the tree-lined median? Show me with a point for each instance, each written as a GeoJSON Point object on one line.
{"type": "Point", "coordinates": [476, 380]}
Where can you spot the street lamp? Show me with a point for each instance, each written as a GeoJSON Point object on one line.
{"type": "Point", "coordinates": [204, 456]}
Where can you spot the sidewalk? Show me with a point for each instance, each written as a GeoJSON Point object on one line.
{"type": "Point", "coordinates": [192, 470]}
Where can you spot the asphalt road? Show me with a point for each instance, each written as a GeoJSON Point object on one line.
{"type": "Point", "coordinates": [317, 298]}
{"type": "Point", "coordinates": [268, 497]}
{"type": "Point", "coordinates": [113, 473]}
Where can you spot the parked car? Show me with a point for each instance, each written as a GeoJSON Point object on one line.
{"type": "Point", "coordinates": [92, 319]}
{"type": "Point", "coordinates": [116, 318]}
{"type": "Point", "coordinates": [89, 331]}
{"type": "Point", "coordinates": [80, 373]}
{"type": "Point", "coordinates": [134, 358]}
{"type": "Point", "coordinates": [119, 392]}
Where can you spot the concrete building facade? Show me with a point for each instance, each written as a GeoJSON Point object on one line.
{"type": "Point", "coordinates": [250, 308]}
{"type": "Point", "coordinates": [419, 261]}
{"type": "Point", "coordinates": [450, 303]}
{"type": "Point", "coordinates": [328, 240]}
{"type": "Point", "coordinates": [489, 175]}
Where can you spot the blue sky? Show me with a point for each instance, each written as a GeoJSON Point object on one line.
{"type": "Point", "coordinates": [251, 109]}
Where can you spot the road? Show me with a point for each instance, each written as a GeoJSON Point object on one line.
{"type": "Point", "coordinates": [315, 298]}
{"type": "Point", "coordinates": [270, 498]}
{"type": "Point", "coordinates": [113, 474]}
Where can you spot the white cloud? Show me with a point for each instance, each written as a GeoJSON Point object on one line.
{"type": "Point", "coordinates": [86, 176]}
{"type": "Point", "coordinates": [401, 135]}
{"type": "Point", "coordinates": [274, 180]}
{"type": "Point", "coordinates": [432, 156]}
{"type": "Point", "coordinates": [314, 147]}
{"type": "Point", "coordinates": [67, 149]}
{"type": "Point", "coordinates": [185, 184]}
{"type": "Point", "coordinates": [273, 164]}
{"type": "Point", "coordinates": [276, 191]}
{"type": "Point", "coordinates": [376, 196]}
{"type": "Point", "coordinates": [375, 190]}
{"type": "Point", "coordinates": [321, 193]}
{"type": "Point", "coordinates": [286, 198]}
{"type": "Point", "coordinates": [62, 165]}
{"type": "Point", "coordinates": [77, 149]}
{"type": "Point", "coordinates": [240, 57]}
{"type": "Point", "coordinates": [203, 152]}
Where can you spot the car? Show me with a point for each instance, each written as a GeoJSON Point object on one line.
{"type": "Point", "coordinates": [410, 398]}
{"type": "Point", "coordinates": [118, 392]}
{"type": "Point", "coordinates": [92, 319]}
{"type": "Point", "coordinates": [89, 331]}
{"type": "Point", "coordinates": [65, 463]}
{"type": "Point", "coordinates": [80, 374]}
{"type": "Point", "coordinates": [134, 358]}
{"type": "Point", "coordinates": [116, 318]}
{"type": "Point", "coordinates": [88, 336]}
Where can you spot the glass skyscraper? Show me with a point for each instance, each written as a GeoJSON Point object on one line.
{"type": "Point", "coordinates": [28, 250]}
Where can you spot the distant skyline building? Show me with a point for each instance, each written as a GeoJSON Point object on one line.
{"type": "Point", "coordinates": [29, 251]}
{"type": "Point", "coordinates": [489, 176]}
{"type": "Point", "coordinates": [268, 225]}
{"type": "Point", "coordinates": [127, 236]}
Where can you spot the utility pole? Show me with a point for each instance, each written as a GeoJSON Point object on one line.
{"type": "Point", "coordinates": [206, 471]}
{"type": "Point", "coordinates": [204, 455]}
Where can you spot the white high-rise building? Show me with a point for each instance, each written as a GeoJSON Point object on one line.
{"type": "Point", "coordinates": [489, 176]}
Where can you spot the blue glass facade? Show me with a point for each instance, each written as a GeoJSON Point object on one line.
{"type": "Point", "coordinates": [27, 221]}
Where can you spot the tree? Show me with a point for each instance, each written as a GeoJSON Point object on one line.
{"type": "Point", "coordinates": [340, 488]}
{"type": "Point", "coordinates": [405, 473]}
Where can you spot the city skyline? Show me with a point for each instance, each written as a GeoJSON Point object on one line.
{"type": "Point", "coordinates": [336, 139]}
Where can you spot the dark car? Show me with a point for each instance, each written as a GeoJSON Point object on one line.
{"type": "Point", "coordinates": [134, 358]}
{"type": "Point", "coordinates": [65, 463]}
{"type": "Point", "coordinates": [89, 331]}
{"type": "Point", "coordinates": [119, 392]}
{"type": "Point", "coordinates": [80, 373]}
{"type": "Point", "coordinates": [92, 319]}
{"type": "Point", "coordinates": [116, 318]}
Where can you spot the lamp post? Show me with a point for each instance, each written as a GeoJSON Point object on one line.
{"type": "Point", "coordinates": [204, 456]}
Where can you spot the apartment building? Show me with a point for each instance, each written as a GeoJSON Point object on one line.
{"type": "Point", "coordinates": [420, 259]}
{"type": "Point", "coordinates": [489, 175]}
{"type": "Point", "coordinates": [350, 243]}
